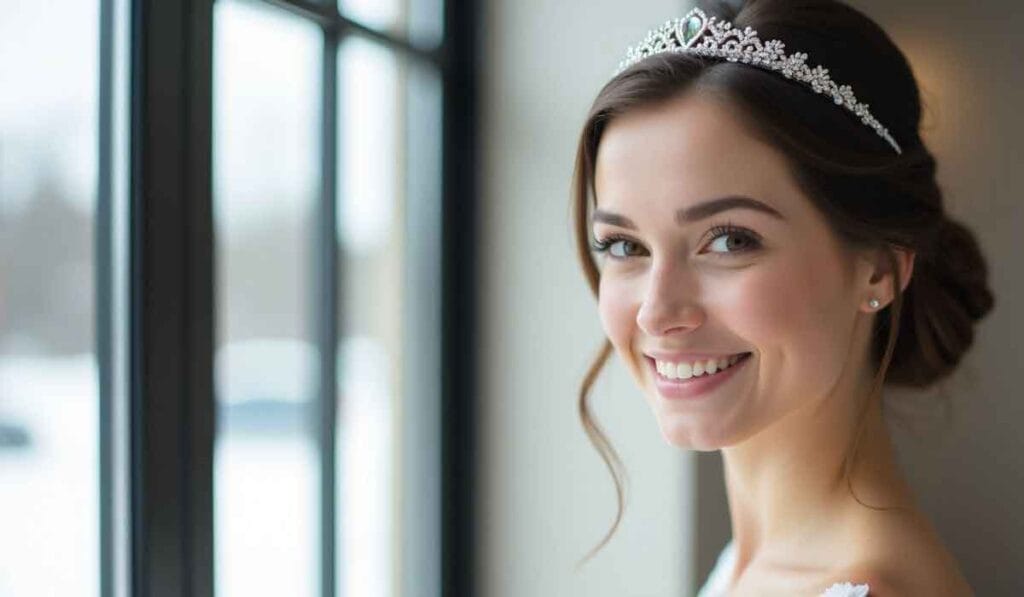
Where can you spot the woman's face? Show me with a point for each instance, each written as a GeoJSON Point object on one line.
{"type": "Point", "coordinates": [770, 281]}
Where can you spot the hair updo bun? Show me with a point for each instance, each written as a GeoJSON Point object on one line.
{"type": "Point", "coordinates": [948, 293]}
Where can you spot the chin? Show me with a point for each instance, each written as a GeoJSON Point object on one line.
{"type": "Point", "coordinates": [688, 439]}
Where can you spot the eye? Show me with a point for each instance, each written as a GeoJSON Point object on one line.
{"type": "Point", "coordinates": [748, 240]}
{"type": "Point", "coordinates": [622, 248]}
{"type": "Point", "coordinates": [619, 247]}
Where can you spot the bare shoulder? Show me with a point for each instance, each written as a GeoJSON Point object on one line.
{"type": "Point", "coordinates": [905, 557]}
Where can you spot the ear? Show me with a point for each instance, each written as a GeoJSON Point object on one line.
{"type": "Point", "coordinates": [877, 273]}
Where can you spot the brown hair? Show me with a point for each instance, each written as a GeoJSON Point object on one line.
{"type": "Point", "coordinates": [870, 195]}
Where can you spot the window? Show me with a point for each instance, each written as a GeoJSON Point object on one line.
{"type": "Point", "coordinates": [63, 298]}
{"type": "Point", "coordinates": [236, 294]}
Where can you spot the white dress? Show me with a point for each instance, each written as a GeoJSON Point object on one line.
{"type": "Point", "coordinates": [719, 577]}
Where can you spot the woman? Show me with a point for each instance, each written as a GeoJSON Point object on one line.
{"type": "Point", "coordinates": [769, 248]}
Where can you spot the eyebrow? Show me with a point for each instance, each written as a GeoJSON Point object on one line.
{"type": "Point", "coordinates": [697, 212]}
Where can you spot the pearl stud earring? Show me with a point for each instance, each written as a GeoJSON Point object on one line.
{"type": "Point", "coordinates": [874, 303]}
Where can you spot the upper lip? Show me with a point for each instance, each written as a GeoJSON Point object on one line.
{"type": "Point", "coordinates": [688, 357]}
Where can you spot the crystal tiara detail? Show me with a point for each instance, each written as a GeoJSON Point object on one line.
{"type": "Point", "coordinates": [687, 34]}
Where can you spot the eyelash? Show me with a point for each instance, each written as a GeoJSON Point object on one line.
{"type": "Point", "coordinates": [602, 245]}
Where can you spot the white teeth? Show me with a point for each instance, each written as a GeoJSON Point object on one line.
{"type": "Point", "coordinates": [688, 370]}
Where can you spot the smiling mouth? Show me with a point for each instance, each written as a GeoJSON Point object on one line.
{"type": "Point", "coordinates": [683, 372]}
{"type": "Point", "coordinates": [697, 386]}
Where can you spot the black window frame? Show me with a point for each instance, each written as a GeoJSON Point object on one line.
{"type": "Point", "coordinates": [171, 292]}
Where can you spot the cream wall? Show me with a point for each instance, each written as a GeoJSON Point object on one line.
{"type": "Point", "coordinates": [547, 497]}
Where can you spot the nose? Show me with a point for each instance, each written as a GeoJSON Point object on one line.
{"type": "Point", "coordinates": [668, 307]}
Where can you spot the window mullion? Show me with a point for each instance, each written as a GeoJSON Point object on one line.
{"type": "Point", "coordinates": [171, 279]}
{"type": "Point", "coordinates": [327, 316]}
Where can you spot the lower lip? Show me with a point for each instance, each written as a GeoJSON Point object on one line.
{"type": "Point", "coordinates": [695, 387]}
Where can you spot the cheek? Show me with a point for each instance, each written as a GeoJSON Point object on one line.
{"type": "Point", "coordinates": [618, 312]}
{"type": "Point", "coordinates": [793, 314]}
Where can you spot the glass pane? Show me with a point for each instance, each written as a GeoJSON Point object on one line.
{"type": "Point", "coordinates": [388, 233]}
{"type": "Point", "coordinates": [370, 262]}
{"type": "Point", "coordinates": [422, 21]}
{"type": "Point", "coordinates": [49, 397]}
{"type": "Point", "coordinates": [420, 412]}
{"type": "Point", "coordinates": [267, 93]}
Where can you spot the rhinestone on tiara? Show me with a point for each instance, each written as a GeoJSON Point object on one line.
{"type": "Point", "coordinates": [687, 34]}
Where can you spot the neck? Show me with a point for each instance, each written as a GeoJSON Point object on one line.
{"type": "Point", "coordinates": [788, 497]}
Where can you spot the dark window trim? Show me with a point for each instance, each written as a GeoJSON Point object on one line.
{"type": "Point", "coordinates": [172, 307]}
{"type": "Point", "coordinates": [459, 337]}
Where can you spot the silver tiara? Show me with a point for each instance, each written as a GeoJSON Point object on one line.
{"type": "Point", "coordinates": [682, 35]}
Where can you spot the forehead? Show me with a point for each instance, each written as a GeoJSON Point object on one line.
{"type": "Point", "coordinates": [685, 150]}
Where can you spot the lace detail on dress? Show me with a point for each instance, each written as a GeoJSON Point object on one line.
{"type": "Point", "coordinates": [846, 590]}
{"type": "Point", "coordinates": [718, 577]}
